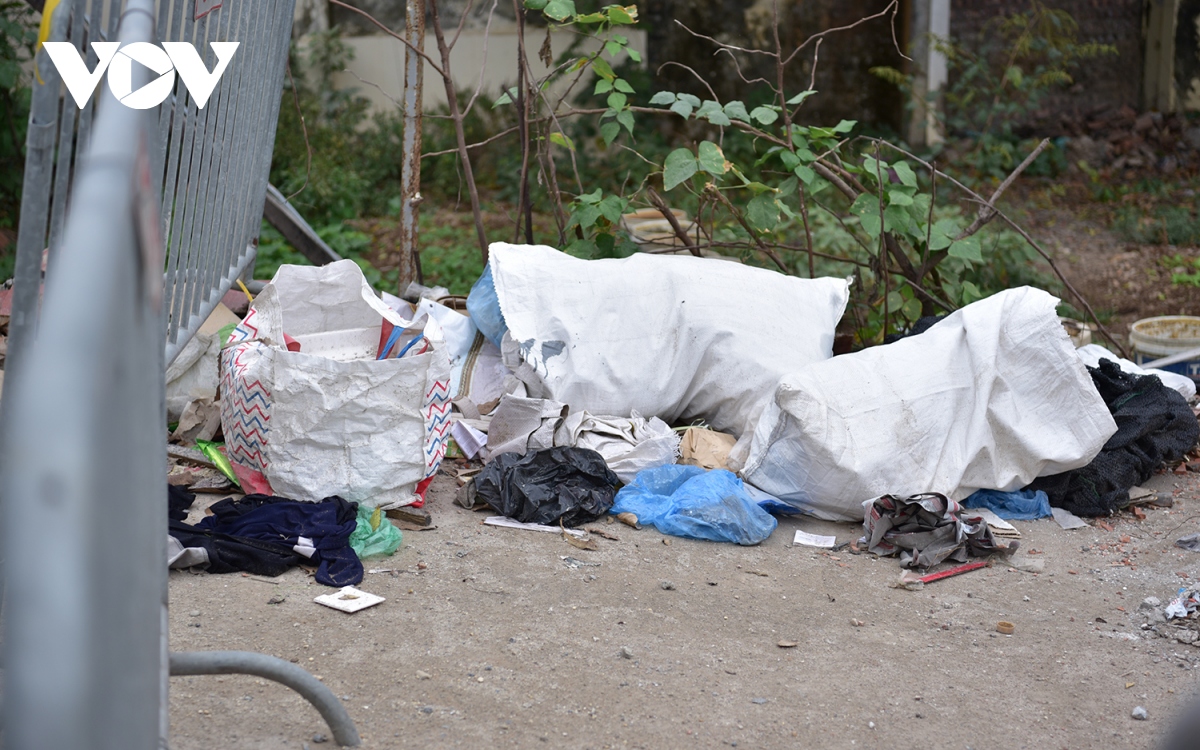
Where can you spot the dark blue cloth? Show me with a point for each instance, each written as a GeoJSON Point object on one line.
{"type": "Point", "coordinates": [279, 521]}
{"type": "Point", "coordinates": [1022, 505]}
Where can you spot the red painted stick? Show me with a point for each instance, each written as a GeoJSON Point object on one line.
{"type": "Point", "coordinates": [965, 568]}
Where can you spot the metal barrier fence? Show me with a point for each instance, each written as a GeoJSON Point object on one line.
{"type": "Point", "coordinates": [85, 464]}
{"type": "Point", "coordinates": [210, 164]}
{"type": "Point", "coordinates": [84, 513]}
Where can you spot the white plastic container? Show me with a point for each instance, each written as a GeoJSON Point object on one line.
{"type": "Point", "coordinates": [1155, 338]}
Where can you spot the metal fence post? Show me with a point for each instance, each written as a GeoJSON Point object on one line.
{"type": "Point", "coordinates": [83, 486]}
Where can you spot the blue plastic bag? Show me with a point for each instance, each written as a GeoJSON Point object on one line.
{"type": "Point", "coordinates": [692, 502]}
{"type": "Point", "coordinates": [1022, 505]}
{"type": "Point", "coordinates": [484, 308]}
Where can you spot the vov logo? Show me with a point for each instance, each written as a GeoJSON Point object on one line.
{"type": "Point", "coordinates": [171, 58]}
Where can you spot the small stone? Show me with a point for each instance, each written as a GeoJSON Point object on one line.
{"type": "Point", "coordinates": [1026, 565]}
{"type": "Point", "coordinates": [1025, 598]}
{"type": "Point", "coordinates": [194, 613]}
{"type": "Point", "coordinates": [277, 599]}
{"type": "Point", "coordinates": [1139, 713]}
{"type": "Point", "coordinates": [1150, 603]}
{"type": "Point", "coordinates": [626, 652]}
{"type": "Point", "coordinates": [870, 725]}
{"type": "Point", "coordinates": [758, 701]}
{"type": "Point", "coordinates": [427, 710]}
{"type": "Point", "coordinates": [319, 738]}
{"type": "Point", "coordinates": [421, 675]}
{"type": "Point", "coordinates": [667, 586]}
{"type": "Point", "coordinates": [345, 697]}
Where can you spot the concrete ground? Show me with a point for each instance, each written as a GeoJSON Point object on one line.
{"type": "Point", "coordinates": [489, 637]}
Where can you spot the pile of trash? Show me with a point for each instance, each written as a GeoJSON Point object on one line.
{"type": "Point", "coordinates": [698, 396]}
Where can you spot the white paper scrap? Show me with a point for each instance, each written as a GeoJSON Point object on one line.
{"type": "Point", "coordinates": [509, 523]}
{"type": "Point", "coordinates": [1067, 519]}
{"type": "Point", "coordinates": [814, 540]}
{"type": "Point", "coordinates": [998, 525]}
{"type": "Point", "coordinates": [349, 599]}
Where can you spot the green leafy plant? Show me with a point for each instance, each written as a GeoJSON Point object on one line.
{"type": "Point", "coordinates": [998, 81]}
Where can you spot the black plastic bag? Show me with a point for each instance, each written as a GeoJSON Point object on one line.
{"type": "Point", "coordinates": [573, 484]}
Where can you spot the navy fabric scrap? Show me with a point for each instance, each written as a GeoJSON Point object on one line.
{"type": "Point", "coordinates": [259, 534]}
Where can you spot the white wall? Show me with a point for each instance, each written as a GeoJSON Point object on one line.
{"type": "Point", "coordinates": [379, 60]}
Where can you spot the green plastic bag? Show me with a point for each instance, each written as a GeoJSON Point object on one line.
{"type": "Point", "coordinates": [375, 534]}
{"type": "Point", "coordinates": [213, 452]}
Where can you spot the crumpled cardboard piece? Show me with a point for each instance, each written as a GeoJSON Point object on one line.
{"type": "Point", "coordinates": [705, 448]}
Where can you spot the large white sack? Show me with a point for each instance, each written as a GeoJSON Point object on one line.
{"type": "Point", "coordinates": [678, 338]}
{"type": "Point", "coordinates": [989, 398]}
{"type": "Point", "coordinates": [331, 419]}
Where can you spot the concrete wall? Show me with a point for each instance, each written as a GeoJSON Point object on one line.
{"type": "Point", "coordinates": [379, 60]}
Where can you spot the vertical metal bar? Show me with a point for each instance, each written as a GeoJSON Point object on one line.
{"type": "Point", "coordinates": [66, 142]}
{"type": "Point", "coordinates": [410, 174]}
{"type": "Point", "coordinates": [185, 194]}
{"type": "Point", "coordinates": [174, 182]}
{"type": "Point", "coordinates": [210, 167]}
{"type": "Point", "coordinates": [35, 199]}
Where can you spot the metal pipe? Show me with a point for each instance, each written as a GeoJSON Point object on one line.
{"type": "Point", "coordinates": [1173, 359]}
{"type": "Point", "coordinates": [278, 670]}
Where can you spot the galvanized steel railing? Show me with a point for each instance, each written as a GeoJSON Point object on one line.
{"type": "Point", "coordinates": [84, 514]}
{"type": "Point", "coordinates": [84, 522]}
{"type": "Point", "coordinates": [211, 165]}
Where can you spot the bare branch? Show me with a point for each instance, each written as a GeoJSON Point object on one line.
{"type": "Point", "coordinates": [462, 21]}
{"type": "Point", "coordinates": [737, 215]}
{"type": "Point", "coordinates": [669, 215]}
{"type": "Point", "coordinates": [988, 211]}
{"type": "Point", "coordinates": [392, 34]}
{"type": "Point", "coordinates": [723, 45]}
{"type": "Point", "coordinates": [699, 78]}
{"type": "Point", "coordinates": [486, 141]}
{"type": "Point", "coordinates": [738, 67]}
{"type": "Point", "coordinates": [487, 34]}
{"type": "Point", "coordinates": [1032, 243]}
{"type": "Point", "coordinates": [895, 42]}
{"type": "Point", "coordinates": [891, 7]}
{"type": "Point", "coordinates": [304, 130]}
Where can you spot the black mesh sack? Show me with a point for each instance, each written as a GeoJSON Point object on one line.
{"type": "Point", "coordinates": [1154, 425]}
{"type": "Point", "coordinates": [572, 484]}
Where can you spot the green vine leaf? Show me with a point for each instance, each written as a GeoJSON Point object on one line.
{"type": "Point", "coordinates": [679, 167]}
{"type": "Point", "coordinates": [609, 132]}
{"type": "Point", "coordinates": [967, 249]}
{"type": "Point", "coordinates": [712, 159]}
{"type": "Point", "coordinates": [662, 97]}
{"type": "Point", "coordinates": [905, 173]}
{"type": "Point", "coordinates": [801, 97]}
{"type": "Point", "coordinates": [764, 114]}
{"type": "Point", "coordinates": [560, 10]}
{"type": "Point", "coordinates": [762, 212]}
{"type": "Point", "coordinates": [625, 117]}
{"type": "Point", "coordinates": [562, 140]}
{"type": "Point", "coordinates": [737, 111]}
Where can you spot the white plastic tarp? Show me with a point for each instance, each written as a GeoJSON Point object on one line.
{"type": "Point", "coordinates": [678, 338]}
{"type": "Point", "coordinates": [988, 398]}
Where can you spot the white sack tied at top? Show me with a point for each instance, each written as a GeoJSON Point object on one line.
{"type": "Point", "coordinates": [679, 338]}
{"type": "Point", "coordinates": [988, 398]}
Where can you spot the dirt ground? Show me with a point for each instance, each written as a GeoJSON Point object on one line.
{"type": "Point", "coordinates": [490, 637]}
